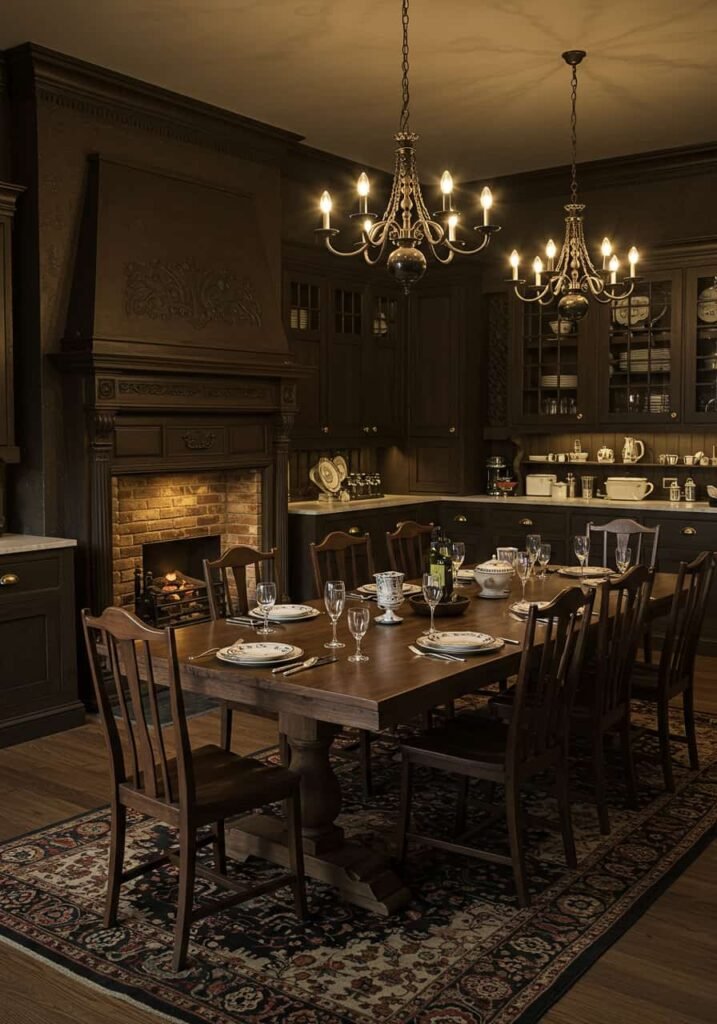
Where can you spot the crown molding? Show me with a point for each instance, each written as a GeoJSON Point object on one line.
{"type": "Point", "coordinates": [34, 72]}
{"type": "Point", "coordinates": [9, 195]}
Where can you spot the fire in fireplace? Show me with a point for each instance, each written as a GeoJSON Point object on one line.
{"type": "Point", "coordinates": [169, 589]}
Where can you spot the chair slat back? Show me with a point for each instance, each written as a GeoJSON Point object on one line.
{"type": "Point", "coordinates": [623, 606]}
{"type": "Point", "coordinates": [548, 674]}
{"type": "Point", "coordinates": [118, 648]}
{"type": "Point", "coordinates": [692, 591]}
{"type": "Point", "coordinates": [342, 556]}
{"type": "Point", "coordinates": [407, 548]}
{"type": "Point", "coordinates": [642, 553]}
{"type": "Point", "coordinates": [236, 561]}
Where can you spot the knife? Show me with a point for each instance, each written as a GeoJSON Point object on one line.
{"type": "Point", "coordinates": [310, 663]}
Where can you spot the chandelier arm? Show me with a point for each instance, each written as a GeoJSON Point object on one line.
{"type": "Point", "coordinates": [464, 251]}
{"type": "Point", "coordinates": [610, 296]}
{"type": "Point", "coordinates": [360, 247]}
{"type": "Point", "coordinates": [540, 297]}
{"type": "Point", "coordinates": [381, 249]}
{"type": "Point", "coordinates": [428, 226]}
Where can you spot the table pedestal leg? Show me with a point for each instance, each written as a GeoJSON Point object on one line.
{"type": "Point", "coordinates": [361, 876]}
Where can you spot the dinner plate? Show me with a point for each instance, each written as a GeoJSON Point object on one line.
{"type": "Point", "coordinates": [466, 574]}
{"type": "Point", "coordinates": [460, 642]}
{"type": "Point", "coordinates": [631, 311]}
{"type": "Point", "coordinates": [329, 475]}
{"type": "Point", "coordinates": [523, 607]}
{"type": "Point", "coordinates": [707, 305]}
{"type": "Point", "coordinates": [260, 654]}
{"type": "Point", "coordinates": [287, 613]}
{"type": "Point", "coordinates": [588, 570]}
{"type": "Point", "coordinates": [408, 589]}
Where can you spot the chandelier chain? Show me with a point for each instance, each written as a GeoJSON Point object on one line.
{"type": "Point", "coordinates": [574, 136]}
{"type": "Point", "coordinates": [404, 67]}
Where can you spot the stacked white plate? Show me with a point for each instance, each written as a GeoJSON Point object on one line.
{"type": "Point", "coordinates": [287, 613]}
{"type": "Point", "coordinates": [466, 576]}
{"type": "Point", "coordinates": [408, 589]}
{"type": "Point", "coordinates": [260, 655]}
{"type": "Point", "coordinates": [640, 360]}
{"type": "Point", "coordinates": [563, 380]}
{"type": "Point", "coordinates": [460, 642]}
{"type": "Point", "coordinates": [523, 607]}
{"type": "Point", "coordinates": [660, 403]}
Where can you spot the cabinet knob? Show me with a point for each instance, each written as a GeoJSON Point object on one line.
{"type": "Point", "coordinates": [355, 531]}
{"type": "Point", "coordinates": [460, 519]}
{"type": "Point", "coordinates": [579, 416]}
{"type": "Point", "coordinates": [526, 522]}
{"type": "Point", "coordinates": [324, 430]}
{"type": "Point", "coordinates": [375, 430]}
{"type": "Point", "coordinates": [673, 415]}
{"type": "Point", "coordinates": [688, 531]}
{"type": "Point", "coordinates": [9, 579]}
{"type": "Point", "coordinates": [451, 430]}
{"type": "Point", "coordinates": [366, 430]}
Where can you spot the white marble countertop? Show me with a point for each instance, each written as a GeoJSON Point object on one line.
{"type": "Point", "coordinates": [17, 543]}
{"type": "Point", "coordinates": [324, 508]}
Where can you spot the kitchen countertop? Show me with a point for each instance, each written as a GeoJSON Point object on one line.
{"type": "Point", "coordinates": [324, 508]}
{"type": "Point", "coordinates": [17, 543]}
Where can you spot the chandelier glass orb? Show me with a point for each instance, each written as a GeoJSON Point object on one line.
{"type": "Point", "coordinates": [571, 278]}
{"type": "Point", "coordinates": [406, 232]}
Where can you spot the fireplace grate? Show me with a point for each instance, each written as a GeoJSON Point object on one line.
{"type": "Point", "coordinates": [174, 599]}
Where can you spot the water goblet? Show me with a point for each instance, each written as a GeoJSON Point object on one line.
{"type": "Point", "coordinates": [523, 565]}
{"type": "Point", "coordinates": [389, 595]}
{"type": "Point", "coordinates": [358, 619]}
{"type": "Point", "coordinates": [458, 557]}
{"type": "Point", "coordinates": [265, 601]}
{"type": "Point", "coordinates": [623, 557]}
{"type": "Point", "coordinates": [334, 599]}
{"type": "Point", "coordinates": [582, 549]}
{"type": "Point", "coordinates": [432, 591]}
{"type": "Point", "coordinates": [544, 552]}
{"type": "Point", "coordinates": [532, 546]}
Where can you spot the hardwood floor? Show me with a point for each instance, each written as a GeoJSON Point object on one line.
{"type": "Point", "coordinates": [659, 972]}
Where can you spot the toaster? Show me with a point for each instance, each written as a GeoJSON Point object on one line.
{"type": "Point", "coordinates": [537, 485]}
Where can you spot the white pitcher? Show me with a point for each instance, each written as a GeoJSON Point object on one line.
{"type": "Point", "coordinates": [630, 451]}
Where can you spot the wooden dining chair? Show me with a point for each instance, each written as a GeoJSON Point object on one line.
{"type": "Point", "coordinates": [475, 745]}
{"type": "Point", "coordinates": [223, 603]}
{"type": "Point", "coordinates": [602, 702]}
{"type": "Point", "coordinates": [673, 676]}
{"type": "Point", "coordinates": [342, 556]}
{"type": "Point", "coordinates": [635, 533]}
{"type": "Point", "coordinates": [194, 788]}
{"type": "Point", "coordinates": [407, 548]}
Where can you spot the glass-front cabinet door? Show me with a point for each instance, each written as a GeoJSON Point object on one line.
{"type": "Point", "coordinates": [640, 362]}
{"type": "Point", "coordinates": [700, 343]}
{"type": "Point", "coordinates": [553, 367]}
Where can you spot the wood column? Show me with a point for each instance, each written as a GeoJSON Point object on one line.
{"type": "Point", "coordinates": [101, 431]}
{"type": "Point", "coordinates": [282, 431]}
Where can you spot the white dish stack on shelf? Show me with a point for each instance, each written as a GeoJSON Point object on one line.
{"type": "Point", "coordinates": [559, 380]}
{"type": "Point", "coordinates": [642, 360]}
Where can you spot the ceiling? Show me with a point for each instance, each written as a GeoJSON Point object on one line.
{"type": "Point", "coordinates": [489, 93]}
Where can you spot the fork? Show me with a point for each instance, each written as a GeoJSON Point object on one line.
{"type": "Point", "coordinates": [203, 654]}
{"type": "Point", "coordinates": [431, 654]}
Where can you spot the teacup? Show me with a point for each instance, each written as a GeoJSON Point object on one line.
{"type": "Point", "coordinates": [688, 459]}
{"type": "Point", "coordinates": [662, 459]}
{"type": "Point", "coordinates": [672, 460]}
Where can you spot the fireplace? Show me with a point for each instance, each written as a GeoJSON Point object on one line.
{"type": "Point", "coordinates": [169, 589]}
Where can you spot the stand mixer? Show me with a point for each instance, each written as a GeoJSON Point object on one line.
{"type": "Point", "coordinates": [496, 467]}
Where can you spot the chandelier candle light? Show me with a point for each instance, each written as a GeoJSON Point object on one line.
{"type": "Point", "coordinates": [573, 279]}
{"type": "Point", "coordinates": [406, 225]}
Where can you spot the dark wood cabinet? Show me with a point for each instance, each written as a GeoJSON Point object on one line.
{"type": "Point", "coordinates": [699, 335]}
{"type": "Point", "coordinates": [38, 670]}
{"type": "Point", "coordinates": [8, 449]}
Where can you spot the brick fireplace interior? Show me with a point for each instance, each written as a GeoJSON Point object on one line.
{"type": "Point", "coordinates": [163, 507]}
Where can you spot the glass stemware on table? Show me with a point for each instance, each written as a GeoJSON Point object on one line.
{"type": "Point", "coordinates": [582, 549]}
{"type": "Point", "coordinates": [334, 600]}
{"type": "Point", "coordinates": [432, 591]}
{"type": "Point", "coordinates": [265, 601]}
{"type": "Point", "coordinates": [358, 619]}
{"type": "Point", "coordinates": [458, 557]}
{"type": "Point", "coordinates": [523, 565]}
{"type": "Point", "coordinates": [544, 553]}
{"type": "Point", "coordinates": [532, 546]}
{"type": "Point", "coordinates": [623, 557]}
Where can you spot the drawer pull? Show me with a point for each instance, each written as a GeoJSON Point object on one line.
{"type": "Point", "coordinates": [579, 416]}
{"type": "Point", "coordinates": [673, 415]}
{"type": "Point", "coordinates": [526, 522]}
{"type": "Point", "coordinates": [324, 430]}
{"type": "Point", "coordinates": [451, 430]}
{"type": "Point", "coordinates": [354, 531]}
{"type": "Point", "coordinates": [375, 430]}
{"type": "Point", "coordinates": [689, 531]}
{"type": "Point", "coordinates": [9, 579]}
{"type": "Point", "coordinates": [460, 519]}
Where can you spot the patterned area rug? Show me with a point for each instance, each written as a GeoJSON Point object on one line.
{"type": "Point", "coordinates": [461, 953]}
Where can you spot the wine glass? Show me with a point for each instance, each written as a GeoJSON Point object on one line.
{"type": "Point", "coordinates": [582, 549]}
{"type": "Point", "coordinates": [265, 601]}
{"type": "Point", "coordinates": [532, 546]}
{"type": "Point", "coordinates": [458, 557]}
{"type": "Point", "coordinates": [544, 552]}
{"type": "Point", "coordinates": [334, 599]}
{"type": "Point", "coordinates": [358, 619]}
{"type": "Point", "coordinates": [623, 556]}
{"type": "Point", "coordinates": [523, 564]}
{"type": "Point", "coordinates": [432, 591]}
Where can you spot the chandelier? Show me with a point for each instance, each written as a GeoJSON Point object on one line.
{"type": "Point", "coordinates": [406, 225]}
{"type": "Point", "coordinates": [574, 278]}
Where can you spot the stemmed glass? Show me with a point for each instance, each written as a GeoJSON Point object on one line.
{"type": "Point", "coordinates": [582, 549]}
{"type": "Point", "coordinates": [432, 591]}
{"type": "Point", "coordinates": [265, 601]}
{"type": "Point", "coordinates": [523, 564]}
{"type": "Point", "coordinates": [544, 552]}
{"type": "Point", "coordinates": [358, 619]}
{"type": "Point", "coordinates": [458, 557]}
{"type": "Point", "coordinates": [532, 546]}
{"type": "Point", "coordinates": [623, 557]}
{"type": "Point", "coordinates": [334, 599]}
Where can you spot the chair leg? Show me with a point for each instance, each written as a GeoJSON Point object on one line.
{"type": "Point", "coordinates": [292, 808]}
{"type": "Point", "coordinates": [284, 749]}
{"type": "Point", "coordinates": [187, 869]}
{"type": "Point", "coordinates": [404, 814]}
{"type": "Point", "coordinates": [515, 837]}
{"type": "Point", "coordinates": [663, 731]}
{"type": "Point", "coordinates": [628, 762]}
{"type": "Point", "coordinates": [365, 763]}
{"type": "Point", "coordinates": [451, 709]}
{"type": "Point", "coordinates": [562, 790]}
{"type": "Point", "coordinates": [114, 878]}
{"type": "Point", "coordinates": [225, 728]}
{"type": "Point", "coordinates": [688, 711]}
{"type": "Point", "coordinates": [462, 805]}
{"type": "Point", "coordinates": [598, 766]}
{"type": "Point", "coordinates": [647, 644]}
{"type": "Point", "coordinates": [219, 848]}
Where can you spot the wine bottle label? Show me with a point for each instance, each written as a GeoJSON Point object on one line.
{"type": "Point", "coordinates": [439, 572]}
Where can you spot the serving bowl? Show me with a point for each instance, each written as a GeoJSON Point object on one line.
{"type": "Point", "coordinates": [494, 578]}
{"type": "Point", "coordinates": [456, 606]}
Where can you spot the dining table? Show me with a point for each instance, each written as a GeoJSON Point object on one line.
{"type": "Point", "coordinates": [394, 686]}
